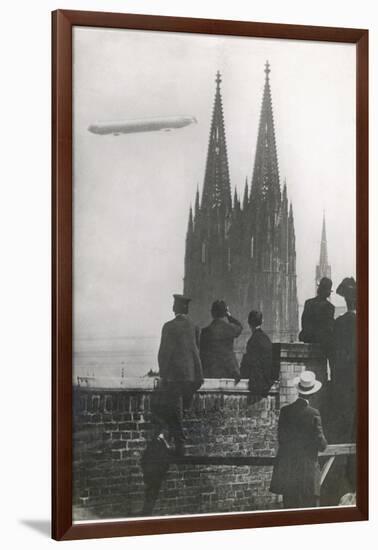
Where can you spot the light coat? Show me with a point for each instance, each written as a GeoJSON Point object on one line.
{"type": "Point", "coordinates": [178, 357]}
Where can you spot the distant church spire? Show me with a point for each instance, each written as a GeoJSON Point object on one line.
{"type": "Point", "coordinates": [265, 180]}
{"type": "Point", "coordinates": [216, 187]}
{"type": "Point", "coordinates": [323, 269]}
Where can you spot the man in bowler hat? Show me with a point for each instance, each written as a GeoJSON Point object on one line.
{"type": "Point", "coordinates": [318, 324]}
{"type": "Point", "coordinates": [257, 362]}
{"type": "Point", "coordinates": [318, 317]}
{"type": "Point", "coordinates": [180, 368]}
{"type": "Point", "coordinates": [296, 472]}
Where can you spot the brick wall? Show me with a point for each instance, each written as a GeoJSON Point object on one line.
{"type": "Point", "coordinates": [293, 359]}
{"type": "Point", "coordinates": [112, 424]}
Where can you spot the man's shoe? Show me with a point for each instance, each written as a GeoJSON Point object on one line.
{"type": "Point", "coordinates": [163, 441]}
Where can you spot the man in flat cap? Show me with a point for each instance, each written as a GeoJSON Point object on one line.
{"type": "Point", "coordinates": [180, 368]}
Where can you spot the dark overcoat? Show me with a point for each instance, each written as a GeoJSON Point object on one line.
{"type": "Point", "coordinates": [343, 382]}
{"type": "Point", "coordinates": [178, 357]}
{"type": "Point", "coordinates": [217, 348]}
{"type": "Point", "coordinates": [257, 363]}
{"type": "Point", "coordinates": [318, 322]}
{"type": "Point", "coordinates": [300, 436]}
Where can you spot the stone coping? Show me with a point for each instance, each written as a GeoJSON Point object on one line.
{"type": "Point", "coordinates": [298, 351]}
{"type": "Point", "coordinates": [149, 384]}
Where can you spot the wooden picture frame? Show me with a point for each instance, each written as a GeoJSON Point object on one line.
{"type": "Point", "coordinates": [63, 22]}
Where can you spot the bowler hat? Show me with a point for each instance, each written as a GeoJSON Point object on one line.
{"type": "Point", "coordinates": [325, 284]}
{"type": "Point", "coordinates": [306, 383]}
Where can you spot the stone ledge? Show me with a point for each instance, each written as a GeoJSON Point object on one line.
{"type": "Point", "coordinates": [299, 352]}
{"type": "Point", "coordinates": [289, 355]}
{"type": "Point", "coordinates": [149, 384]}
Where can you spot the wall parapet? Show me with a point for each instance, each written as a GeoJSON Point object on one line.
{"type": "Point", "coordinates": [300, 351]}
{"type": "Point", "coordinates": [150, 384]}
{"type": "Point", "coordinates": [294, 353]}
{"type": "Point", "coordinates": [113, 424]}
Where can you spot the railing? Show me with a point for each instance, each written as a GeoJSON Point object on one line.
{"type": "Point", "coordinates": [330, 454]}
{"type": "Point", "coordinates": [152, 488]}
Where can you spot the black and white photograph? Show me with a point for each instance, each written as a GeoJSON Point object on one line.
{"type": "Point", "coordinates": [189, 266]}
{"type": "Point", "coordinates": [214, 274]}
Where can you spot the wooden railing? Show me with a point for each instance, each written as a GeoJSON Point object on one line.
{"type": "Point", "coordinates": [158, 466]}
{"type": "Point", "coordinates": [331, 452]}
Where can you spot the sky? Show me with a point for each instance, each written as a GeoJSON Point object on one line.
{"type": "Point", "coordinates": [132, 192]}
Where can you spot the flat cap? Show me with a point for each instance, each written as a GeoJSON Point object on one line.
{"type": "Point", "coordinates": [181, 298]}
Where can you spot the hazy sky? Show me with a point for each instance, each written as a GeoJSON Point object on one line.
{"type": "Point", "coordinates": [132, 192]}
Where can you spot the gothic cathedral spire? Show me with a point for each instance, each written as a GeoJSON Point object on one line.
{"type": "Point", "coordinates": [243, 253]}
{"type": "Point", "coordinates": [265, 179]}
{"type": "Point", "coordinates": [216, 187]}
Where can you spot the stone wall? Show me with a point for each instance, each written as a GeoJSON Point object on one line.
{"type": "Point", "coordinates": [112, 425]}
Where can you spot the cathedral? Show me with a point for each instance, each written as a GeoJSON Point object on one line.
{"type": "Point", "coordinates": [238, 249]}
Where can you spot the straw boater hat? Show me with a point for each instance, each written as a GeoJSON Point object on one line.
{"type": "Point", "coordinates": [306, 383]}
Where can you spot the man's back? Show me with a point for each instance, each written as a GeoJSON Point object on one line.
{"type": "Point", "coordinates": [257, 363]}
{"type": "Point", "coordinates": [317, 320]}
{"type": "Point", "coordinates": [341, 425]}
{"type": "Point", "coordinates": [217, 349]}
{"type": "Point", "coordinates": [345, 339]}
{"type": "Point", "coordinates": [178, 353]}
{"type": "Point", "coordinates": [300, 429]}
{"type": "Point", "coordinates": [300, 435]}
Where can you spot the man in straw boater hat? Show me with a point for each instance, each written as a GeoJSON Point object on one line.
{"type": "Point", "coordinates": [180, 368]}
{"type": "Point", "coordinates": [296, 472]}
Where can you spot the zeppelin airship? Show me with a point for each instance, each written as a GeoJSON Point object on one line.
{"type": "Point", "coordinates": [135, 125]}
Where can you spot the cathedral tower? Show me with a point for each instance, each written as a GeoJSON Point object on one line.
{"type": "Point", "coordinates": [207, 255]}
{"type": "Point", "coordinates": [243, 251]}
